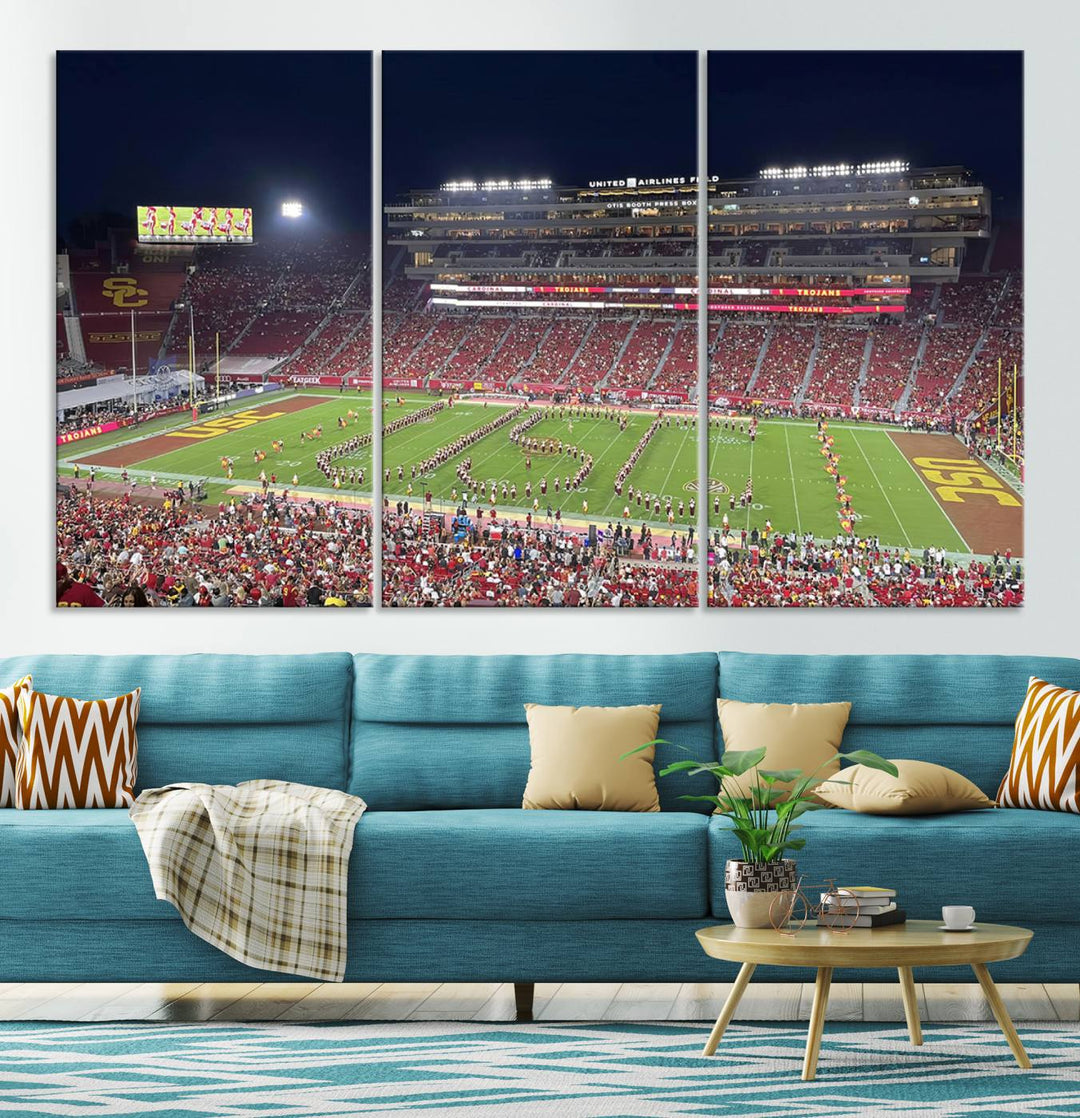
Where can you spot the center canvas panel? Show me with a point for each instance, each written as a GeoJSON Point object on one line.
{"type": "Point", "coordinates": [866, 388]}
{"type": "Point", "coordinates": [539, 330]}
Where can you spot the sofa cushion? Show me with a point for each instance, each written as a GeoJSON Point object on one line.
{"type": "Point", "coordinates": [451, 732]}
{"type": "Point", "coordinates": [1045, 764]}
{"type": "Point", "coordinates": [1008, 864]}
{"type": "Point", "coordinates": [9, 737]}
{"type": "Point", "coordinates": [506, 864]}
{"type": "Point", "coordinates": [800, 736]}
{"type": "Point", "coordinates": [77, 753]}
{"type": "Point", "coordinates": [580, 762]}
{"type": "Point", "coordinates": [513, 864]}
{"type": "Point", "coordinates": [72, 865]}
{"type": "Point", "coordinates": [955, 710]}
{"type": "Point", "coordinates": [218, 719]}
{"type": "Point", "coordinates": [919, 788]}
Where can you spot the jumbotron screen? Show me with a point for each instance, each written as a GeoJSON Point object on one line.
{"type": "Point", "coordinates": [188, 224]}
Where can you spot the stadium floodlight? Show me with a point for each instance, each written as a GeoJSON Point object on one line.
{"type": "Point", "coordinates": [470, 186]}
{"type": "Point", "coordinates": [913, 200]}
{"type": "Point", "coordinates": [836, 170]}
{"type": "Point", "coordinates": [292, 209]}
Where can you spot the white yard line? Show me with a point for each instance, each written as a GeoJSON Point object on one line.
{"type": "Point", "coordinates": [674, 459]}
{"type": "Point", "coordinates": [873, 473]}
{"type": "Point", "coordinates": [791, 473]}
{"type": "Point", "coordinates": [750, 504]}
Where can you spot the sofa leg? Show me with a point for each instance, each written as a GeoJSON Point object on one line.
{"type": "Point", "coordinates": [523, 1000]}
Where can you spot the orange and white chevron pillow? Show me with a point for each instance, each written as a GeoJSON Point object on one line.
{"type": "Point", "coordinates": [1044, 771]}
{"type": "Point", "coordinates": [9, 738]}
{"type": "Point", "coordinates": [76, 753]}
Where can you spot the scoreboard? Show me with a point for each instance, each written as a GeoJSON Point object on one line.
{"type": "Point", "coordinates": [195, 224]}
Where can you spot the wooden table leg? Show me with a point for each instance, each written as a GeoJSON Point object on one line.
{"type": "Point", "coordinates": [732, 1003]}
{"type": "Point", "coordinates": [817, 1022]}
{"type": "Point", "coordinates": [911, 1004]}
{"type": "Point", "coordinates": [1001, 1014]}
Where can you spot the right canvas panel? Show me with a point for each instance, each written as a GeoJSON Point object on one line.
{"type": "Point", "coordinates": [866, 375]}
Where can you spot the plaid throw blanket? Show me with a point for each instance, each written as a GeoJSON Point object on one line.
{"type": "Point", "coordinates": [257, 869]}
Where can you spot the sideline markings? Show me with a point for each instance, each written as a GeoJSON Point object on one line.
{"type": "Point", "coordinates": [794, 488]}
{"type": "Point", "coordinates": [877, 481]}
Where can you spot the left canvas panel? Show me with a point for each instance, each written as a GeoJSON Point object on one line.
{"type": "Point", "coordinates": [213, 331]}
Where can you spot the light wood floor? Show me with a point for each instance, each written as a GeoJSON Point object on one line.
{"type": "Point", "coordinates": [487, 1001]}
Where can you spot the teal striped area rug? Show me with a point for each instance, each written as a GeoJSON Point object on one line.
{"type": "Point", "coordinates": [534, 1071]}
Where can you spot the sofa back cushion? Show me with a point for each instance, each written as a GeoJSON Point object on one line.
{"type": "Point", "coordinates": [450, 731]}
{"type": "Point", "coordinates": [218, 719]}
{"type": "Point", "coordinates": [957, 711]}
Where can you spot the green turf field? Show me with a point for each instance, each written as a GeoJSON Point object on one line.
{"type": "Point", "coordinates": [667, 467]}
{"type": "Point", "coordinates": [792, 489]}
{"type": "Point", "coordinates": [202, 459]}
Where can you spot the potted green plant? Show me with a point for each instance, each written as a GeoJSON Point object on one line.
{"type": "Point", "coordinates": [763, 822]}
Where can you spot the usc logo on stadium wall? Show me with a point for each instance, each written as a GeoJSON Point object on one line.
{"type": "Point", "coordinates": [125, 292]}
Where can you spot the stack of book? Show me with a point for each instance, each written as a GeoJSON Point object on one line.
{"type": "Point", "coordinates": [860, 906]}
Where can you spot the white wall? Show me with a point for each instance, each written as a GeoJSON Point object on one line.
{"type": "Point", "coordinates": [1049, 622]}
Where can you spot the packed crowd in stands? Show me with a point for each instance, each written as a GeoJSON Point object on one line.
{"type": "Point", "coordinates": [837, 364]}
{"type": "Point", "coordinates": [639, 362]}
{"type": "Point", "coordinates": [970, 302]}
{"type": "Point", "coordinates": [284, 286]}
{"type": "Point", "coordinates": [892, 355]}
{"type": "Point", "coordinates": [771, 569]}
{"type": "Point", "coordinates": [599, 350]}
{"type": "Point", "coordinates": [622, 354]}
{"type": "Point", "coordinates": [784, 364]}
{"type": "Point", "coordinates": [679, 369]}
{"type": "Point", "coordinates": [733, 357]}
{"type": "Point", "coordinates": [1002, 350]}
{"type": "Point", "coordinates": [947, 352]}
{"type": "Point", "coordinates": [444, 561]}
{"type": "Point", "coordinates": [332, 336]}
{"type": "Point", "coordinates": [258, 552]}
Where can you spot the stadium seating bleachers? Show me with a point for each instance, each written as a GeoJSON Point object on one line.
{"type": "Point", "coordinates": [892, 353]}
{"type": "Point", "coordinates": [837, 365]}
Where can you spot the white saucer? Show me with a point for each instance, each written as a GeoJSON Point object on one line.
{"type": "Point", "coordinates": [946, 928]}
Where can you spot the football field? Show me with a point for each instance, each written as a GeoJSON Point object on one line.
{"type": "Point", "coordinates": [895, 491]}
{"type": "Point", "coordinates": [667, 467]}
{"type": "Point", "coordinates": [897, 481]}
{"type": "Point", "coordinates": [175, 449]}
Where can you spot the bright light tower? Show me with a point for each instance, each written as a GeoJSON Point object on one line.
{"type": "Point", "coordinates": [292, 209]}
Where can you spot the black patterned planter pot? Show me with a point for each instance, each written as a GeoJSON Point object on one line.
{"type": "Point", "coordinates": [755, 890]}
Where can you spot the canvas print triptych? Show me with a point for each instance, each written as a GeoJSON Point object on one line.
{"type": "Point", "coordinates": [582, 405]}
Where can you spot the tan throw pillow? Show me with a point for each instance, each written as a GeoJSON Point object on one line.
{"type": "Point", "coordinates": [76, 753]}
{"type": "Point", "coordinates": [576, 755]}
{"type": "Point", "coordinates": [919, 788]}
{"type": "Point", "coordinates": [9, 738]}
{"type": "Point", "coordinates": [1044, 770]}
{"type": "Point", "coordinates": [795, 736]}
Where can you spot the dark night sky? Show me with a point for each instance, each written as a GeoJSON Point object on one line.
{"type": "Point", "coordinates": [251, 128]}
{"type": "Point", "coordinates": [569, 115]}
{"type": "Point", "coordinates": [930, 107]}
{"type": "Point", "coordinates": [216, 127]}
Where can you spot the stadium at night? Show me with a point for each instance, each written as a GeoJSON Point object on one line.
{"type": "Point", "coordinates": [541, 418]}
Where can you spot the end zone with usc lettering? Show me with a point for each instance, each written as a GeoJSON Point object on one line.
{"type": "Point", "coordinates": [986, 511]}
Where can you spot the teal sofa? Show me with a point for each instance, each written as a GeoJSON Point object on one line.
{"type": "Point", "coordinates": [451, 881]}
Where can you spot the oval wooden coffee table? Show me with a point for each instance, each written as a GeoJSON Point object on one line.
{"type": "Point", "coordinates": [918, 943]}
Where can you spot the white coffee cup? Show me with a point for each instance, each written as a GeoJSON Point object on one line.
{"type": "Point", "coordinates": [957, 916]}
